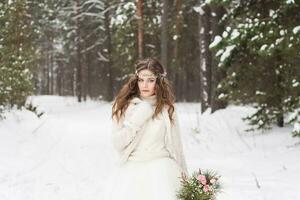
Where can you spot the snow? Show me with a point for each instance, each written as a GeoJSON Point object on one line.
{"type": "Point", "coordinates": [227, 52]}
{"type": "Point", "coordinates": [254, 38]}
{"type": "Point", "coordinates": [216, 41]}
{"type": "Point", "coordinates": [202, 30]}
{"type": "Point", "coordinates": [296, 29]}
{"type": "Point", "coordinates": [296, 127]}
{"type": "Point", "coordinates": [219, 52]}
{"type": "Point", "coordinates": [120, 17]}
{"type": "Point", "coordinates": [295, 83]}
{"type": "Point", "coordinates": [222, 95]}
{"type": "Point", "coordinates": [235, 33]}
{"type": "Point", "coordinates": [279, 40]}
{"type": "Point", "coordinates": [225, 34]}
{"type": "Point", "coordinates": [259, 92]}
{"type": "Point", "coordinates": [290, 1]}
{"type": "Point", "coordinates": [129, 5]}
{"type": "Point", "coordinates": [228, 28]}
{"type": "Point", "coordinates": [157, 20]}
{"type": "Point", "coordinates": [199, 10]}
{"type": "Point", "coordinates": [67, 153]}
{"type": "Point", "coordinates": [203, 68]}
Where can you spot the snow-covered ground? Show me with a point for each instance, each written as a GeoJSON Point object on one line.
{"type": "Point", "coordinates": [67, 155]}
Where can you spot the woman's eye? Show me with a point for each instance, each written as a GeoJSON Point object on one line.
{"type": "Point", "coordinates": [140, 80]}
{"type": "Point", "coordinates": [151, 81]}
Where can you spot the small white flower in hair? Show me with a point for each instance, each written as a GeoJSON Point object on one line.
{"type": "Point", "coordinates": [164, 74]}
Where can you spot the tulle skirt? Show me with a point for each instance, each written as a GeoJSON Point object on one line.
{"type": "Point", "coordinates": [157, 179]}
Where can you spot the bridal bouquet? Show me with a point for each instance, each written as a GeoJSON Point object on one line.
{"type": "Point", "coordinates": [200, 186]}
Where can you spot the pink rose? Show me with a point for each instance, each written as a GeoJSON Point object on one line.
{"type": "Point", "coordinates": [206, 188]}
{"type": "Point", "coordinates": [202, 179]}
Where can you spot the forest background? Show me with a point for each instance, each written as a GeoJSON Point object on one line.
{"type": "Point", "coordinates": [217, 52]}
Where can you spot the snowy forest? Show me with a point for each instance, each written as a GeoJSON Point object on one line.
{"type": "Point", "coordinates": [224, 58]}
{"type": "Point", "coordinates": [215, 52]}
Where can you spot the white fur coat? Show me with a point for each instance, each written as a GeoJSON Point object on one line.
{"type": "Point", "coordinates": [125, 139]}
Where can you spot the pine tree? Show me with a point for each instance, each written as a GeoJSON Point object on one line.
{"type": "Point", "coordinates": [16, 53]}
{"type": "Point", "coordinates": [260, 51]}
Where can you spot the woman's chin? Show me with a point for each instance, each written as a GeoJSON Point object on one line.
{"type": "Point", "coordinates": [146, 94]}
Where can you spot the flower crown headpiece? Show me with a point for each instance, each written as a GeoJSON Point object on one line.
{"type": "Point", "coordinates": [159, 75]}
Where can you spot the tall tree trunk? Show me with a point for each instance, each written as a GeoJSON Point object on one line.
{"type": "Point", "coordinates": [140, 20]}
{"type": "Point", "coordinates": [48, 71]}
{"type": "Point", "coordinates": [74, 81]}
{"type": "Point", "coordinates": [84, 73]}
{"type": "Point", "coordinates": [178, 19]}
{"type": "Point", "coordinates": [109, 57]}
{"type": "Point", "coordinates": [79, 67]}
{"type": "Point", "coordinates": [59, 75]}
{"type": "Point", "coordinates": [89, 81]}
{"type": "Point", "coordinates": [205, 57]}
{"type": "Point", "coordinates": [280, 89]}
{"type": "Point", "coordinates": [179, 77]}
{"type": "Point", "coordinates": [164, 34]}
{"type": "Point", "coordinates": [51, 71]}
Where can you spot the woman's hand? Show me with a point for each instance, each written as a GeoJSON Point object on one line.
{"type": "Point", "coordinates": [140, 114]}
{"type": "Point", "coordinates": [124, 135]}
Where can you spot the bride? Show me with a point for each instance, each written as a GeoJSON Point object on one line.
{"type": "Point", "coordinates": [146, 135]}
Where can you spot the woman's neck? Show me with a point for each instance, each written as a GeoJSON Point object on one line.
{"type": "Point", "coordinates": [150, 99]}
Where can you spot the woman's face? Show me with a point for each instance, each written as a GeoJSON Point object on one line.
{"type": "Point", "coordinates": [146, 83]}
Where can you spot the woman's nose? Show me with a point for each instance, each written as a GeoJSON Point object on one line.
{"type": "Point", "coordinates": [145, 84]}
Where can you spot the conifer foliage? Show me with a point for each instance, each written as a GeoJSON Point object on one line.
{"type": "Point", "coordinates": [16, 53]}
{"type": "Point", "coordinates": [260, 51]}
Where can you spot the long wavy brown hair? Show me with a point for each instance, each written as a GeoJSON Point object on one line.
{"type": "Point", "coordinates": [163, 90]}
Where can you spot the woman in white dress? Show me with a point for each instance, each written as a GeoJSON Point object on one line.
{"type": "Point", "coordinates": [146, 135]}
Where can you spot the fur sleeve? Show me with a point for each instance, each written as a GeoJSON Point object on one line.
{"type": "Point", "coordinates": [178, 146]}
{"type": "Point", "coordinates": [122, 132]}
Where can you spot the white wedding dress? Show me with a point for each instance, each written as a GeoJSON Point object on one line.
{"type": "Point", "coordinates": [150, 173]}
